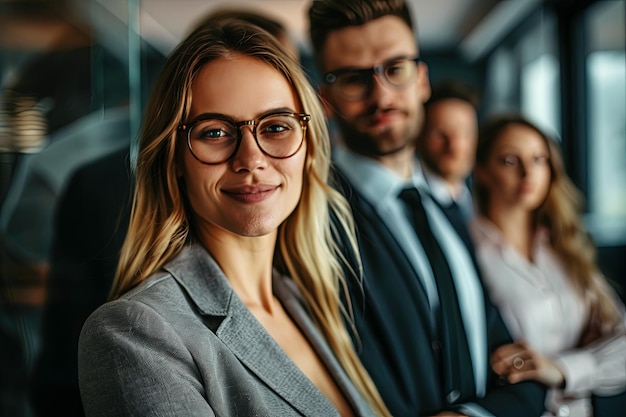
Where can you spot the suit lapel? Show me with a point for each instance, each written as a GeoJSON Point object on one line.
{"type": "Point", "coordinates": [372, 230]}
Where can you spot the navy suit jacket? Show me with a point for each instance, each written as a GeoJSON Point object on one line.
{"type": "Point", "coordinates": [394, 331]}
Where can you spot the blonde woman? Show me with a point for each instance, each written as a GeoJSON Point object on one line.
{"type": "Point", "coordinates": [226, 299]}
{"type": "Point", "coordinates": [538, 264]}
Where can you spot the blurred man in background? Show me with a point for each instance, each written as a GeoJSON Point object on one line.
{"type": "Point", "coordinates": [447, 144]}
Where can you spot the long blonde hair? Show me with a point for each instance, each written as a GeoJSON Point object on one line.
{"type": "Point", "coordinates": [161, 223]}
{"type": "Point", "coordinates": [560, 214]}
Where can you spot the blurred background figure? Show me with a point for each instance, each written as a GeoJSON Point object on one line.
{"type": "Point", "coordinates": [52, 119]}
{"type": "Point", "coordinates": [539, 266]}
{"type": "Point", "coordinates": [258, 18]}
{"type": "Point", "coordinates": [89, 227]}
{"type": "Point", "coordinates": [447, 143]}
{"type": "Point", "coordinates": [78, 87]}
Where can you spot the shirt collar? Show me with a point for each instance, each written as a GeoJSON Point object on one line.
{"type": "Point", "coordinates": [485, 230]}
{"type": "Point", "coordinates": [373, 180]}
{"type": "Point", "coordinates": [440, 189]}
{"type": "Point", "coordinates": [437, 187]}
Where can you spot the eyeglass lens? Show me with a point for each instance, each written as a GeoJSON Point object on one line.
{"type": "Point", "coordinates": [216, 140]}
{"type": "Point", "coordinates": [356, 83]}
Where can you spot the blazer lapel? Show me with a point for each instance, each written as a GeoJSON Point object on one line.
{"type": "Point", "coordinates": [243, 334]}
{"type": "Point", "coordinates": [373, 230]}
{"type": "Point", "coordinates": [289, 295]}
{"type": "Point", "coordinates": [256, 349]}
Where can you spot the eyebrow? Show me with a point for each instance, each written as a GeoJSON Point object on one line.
{"type": "Point", "coordinates": [203, 116]}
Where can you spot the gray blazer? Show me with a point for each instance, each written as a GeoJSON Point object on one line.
{"type": "Point", "coordinates": [183, 344]}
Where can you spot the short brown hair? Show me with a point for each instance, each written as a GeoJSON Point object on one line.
{"type": "Point", "coordinates": [454, 89]}
{"type": "Point", "coordinates": [328, 15]}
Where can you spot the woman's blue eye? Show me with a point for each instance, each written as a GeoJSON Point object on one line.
{"type": "Point", "coordinates": [275, 129]}
{"type": "Point", "coordinates": [213, 134]}
{"type": "Point", "coordinates": [213, 130]}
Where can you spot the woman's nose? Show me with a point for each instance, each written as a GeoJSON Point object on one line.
{"type": "Point", "coordinates": [249, 156]}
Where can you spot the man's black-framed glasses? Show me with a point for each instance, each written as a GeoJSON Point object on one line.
{"type": "Point", "coordinates": [215, 138]}
{"type": "Point", "coordinates": [356, 83]}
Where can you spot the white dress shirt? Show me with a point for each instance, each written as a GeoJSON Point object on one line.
{"type": "Point", "coordinates": [440, 190]}
{"type": "Point", "coordinates": [540, 304]}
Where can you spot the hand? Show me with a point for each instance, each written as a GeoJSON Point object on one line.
{"type": "Point", "coordinates": [519, 362]}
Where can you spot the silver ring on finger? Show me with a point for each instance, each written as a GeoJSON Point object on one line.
{"type": "Point", "coordinates": [518, 363]}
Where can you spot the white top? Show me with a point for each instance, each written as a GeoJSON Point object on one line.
{"type": "Point", "coordinates": [539, 304]}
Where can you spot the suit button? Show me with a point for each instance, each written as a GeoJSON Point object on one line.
{"type": "Point", "coordinates": [453, 396]}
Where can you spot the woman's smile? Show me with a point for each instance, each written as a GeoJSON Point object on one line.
{"type": "Point", "coordinates": [251, 194]}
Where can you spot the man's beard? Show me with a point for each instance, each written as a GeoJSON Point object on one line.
{"type": "Point", "coordinates": [372, 146]}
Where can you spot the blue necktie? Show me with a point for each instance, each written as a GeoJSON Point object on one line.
{"type": "Point", "coordinates": [453, 213]}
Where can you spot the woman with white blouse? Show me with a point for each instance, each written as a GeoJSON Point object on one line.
{"type": "Point", "coordinates": [538, 265]}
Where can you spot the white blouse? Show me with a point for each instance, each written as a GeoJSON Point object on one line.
{"type": "Point", "coordinates": [539, 304]}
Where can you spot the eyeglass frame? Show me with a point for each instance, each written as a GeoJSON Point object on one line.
{"type": "Point", "coordinates": [331, 77]}
{"type": "Point", "coordinates": [186, 128]}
